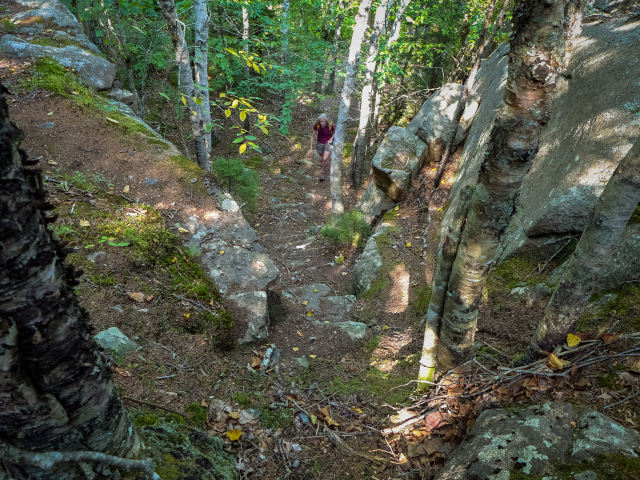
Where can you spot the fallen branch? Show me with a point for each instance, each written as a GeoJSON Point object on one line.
{"type": "Point", "coordinates": [341, 445]}
{"type": "Point", "coordinates": [142, 402]}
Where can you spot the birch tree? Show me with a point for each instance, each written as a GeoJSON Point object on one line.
{"type": "Point", "coordinates": [614, 208]}
{"type": "Point", "coordinates": [200, 62]}
{"type": "Point", "coordinates": [364, 128]}
{"type": "Point", "coordinates": [543, 35]}
{"type": "Point", "coordinates": [57, 394]}
{"type": "Point", "coordinates": [187, 88]}
{"type": "Point", "coordinates": [345, 105]}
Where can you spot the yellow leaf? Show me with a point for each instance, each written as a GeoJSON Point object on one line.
{"type": "Point", "coordinates": [125, 189]}
{"type": "Point", "coordinates": [234, 104]}
{"type": "Point", "coordinates": [85, 223]}
{"type": "Point", "coordinates": [187, 315]}
{"type": "Point", "coordinates": [227, 112]}
{"type": "Point", "coordinates": [52, 162]}
{"type": "Point", "coordinates": [305, 303]}
{"type": "Point", "coordinates": [314, 419]}
{"type": "Point", "coordinates": [249, 64]}
{"type": "Point", "coordinates": [345, 273]}
{"type": "Point", "coordinates": [211, 302]}
{"type": "Point", "coordinates": [635, 367]}
{"type": "Point", "coordinates": [243, 116]}
{"type": "Point", "coordinates": [300, 333]}
{"type": "Point", "coordinates": [573, 340]}
{"type": "Point", "coordinates": [264, 130]}
{"type": "Point", "coordinates": [556, 362]}
{"type": "Point", "coordinates": [262, 118]}
{"type": "Point", "coordinates": [315, 291]}
{"type": "Point", "coordinates": [408, 244]}
{"type": "Point", "coordinates": [312, 356]}
{"type": "Point", "coordinates": [184, 100]}
{"type": "Point", "coordinates": [175, 259]}
{"type": "Point", "coordinates": [397, 207]}
{"type": "Point", "coordinates": [354, 409]}
{"type": "Point", "coordinates": [234, 435]}
{"type": "Point", "coordinates": [385, 327]}
{"type": "Point", "coordinates": [222, 95]}
{"type": "Point", "coordinates": [330, 421]}
{"type": "Point", "coordinates": [309, 314]}
{"type": "Point", "coordinates": [183, 230]}
{"type": "Point", "coordinates": [256, 68]}
{"type": "Point", "coordinates": [243, 147]}
{"type": "Point", "coordinates": [295, 349]}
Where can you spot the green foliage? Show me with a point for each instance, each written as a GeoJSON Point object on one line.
{"type": "Point", "coordinates": [276, 419]}
{"type": "Point", "coordinates": [8, 25]}
{"type": "Point", "coordinates": [422, 299]}
{"type": "Point", "coordinates": [373, 342]}
{"type": "Point", "coordinates": [345, 229]}
{"type": "Point", "coordinates": [635, 218]}
{"type": "Point", "coordinates": [375, 383]}
{"type": "Point", "coordinates": [198, 416]}
{"type": "Point", "coordinates": [625, 308]}
{"type": "Point", "coordinates": [233, 176]}
{"type": "Point", "coordinates": [146, 420]}
{"type": "Point", "coordinates": [50, 75]}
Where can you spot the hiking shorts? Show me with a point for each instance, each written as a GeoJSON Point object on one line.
{"type": "Point", "coordinates": [323, 147]}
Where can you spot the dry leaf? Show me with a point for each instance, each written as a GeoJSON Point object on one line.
{"type": "Point", "coordinates": [203, 403]}
{"type": "Point", "coordinates": [184, 230]}
{"type": "Point", "coordinates": [234, 435]}
{"type": "Point", "coordinates": [52, 162]}
{"type": "Point", "coordinates": [234, 415]}
{"type": "Point", "coordinates": [221, 252]}
{"type": "Point", "coordinates": [315, 291]}
{"type": "Point", "coordinates": [122, 372]}
{"type": "Point", "coordinates": [584, 336]}
{"type": "Point", "coordinates": [136, 296]}
{"type": "Point", "coordinates": [607, 338]}
{"type": "Point", "coordinates": [125, 189]}
{"type": "Point", "coordinates": [305, 303]}
{"type": "Point", "coordinates": [309, 314]}
{"type": "Point", "coordinates": [255, 362]}
{"type": "Point", "coordinates": [85, 223]}
{"type": "Point", "coordinates": [556, 362]}
{"type": "Point", "coordinates": [635, 367]}
{"type": "Point", "coordinates": [245, 417]}
{"type": "Point", "coordinates": [408, 244]}
{"type": "Point", "coordinates": [149, 298]}
{"type": "Point", "coordinates": [295, 349]}
{"type": "Point", "coordinates": [573, 340]}
{"type": "Point", "coordinates": [312, 356]}
{"type": "Point", "coordinates": [300, 333]}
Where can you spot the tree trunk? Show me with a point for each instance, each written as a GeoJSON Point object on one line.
{"type": "Point", "coordinates": [331, 85]}
{"type": "Point", "coordinates": [364, 128]}
{"type": "Point", "coordinates": [201, 61]}
{"type": "Point", "coordinates": [484, 40]}
{"type": "Point", "coordinates": [245, 37]}
{"type": "Point", "coordinates": [187, 88]}
{"type": "Point", "coordinates": [613, 210]}
{"type": "Point", "coordinates": [57, 395]}
{"type": "Point", "coordinates": [345, 105]}
{"type": "Point", "coordinates": [397, 23]}
{"type": "Point", "coordinates": [543, 36]}
{"type": "Point", "coordinates": [447, 251]}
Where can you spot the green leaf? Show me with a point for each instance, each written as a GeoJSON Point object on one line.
{"type": "Point", "coordinates": [208, 127]}
{"type": "Point", "coordinates": [250, 137]}
{"type": "Point", "coordinates": [197, 100]}
{"type": "Point", "coordinates": [99, 33]}
{"type": "Point", "coordinates": [113, 244]}
{"type": "Point", "coordinates": [122, 244]}
{"type": "Point", "coordinates": [165, 96]}
{"type": "Point", "coordinates": [238, 140]}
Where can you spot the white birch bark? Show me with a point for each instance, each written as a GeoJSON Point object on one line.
{"type": "Point", "coordinates": [364, 128]}
{"type": "Point", "coordinates": [345, 105]}
{"type": "Point", "coordinates": [202, 19]}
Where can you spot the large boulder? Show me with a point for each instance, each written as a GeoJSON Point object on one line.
{"type": "Point", "coordinates": [54, 13]}
{"type": "Point", "coordinates": [252, 316]}
{"type": "Point", "coordinates": [370, 262]}
{"type": "Point", "coordinates": [92, 70]}
{"type": "Point", "coordinates": [532, 441]}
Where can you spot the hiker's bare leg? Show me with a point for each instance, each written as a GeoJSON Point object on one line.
{"type": "Point", "coordinates": [324, 162]}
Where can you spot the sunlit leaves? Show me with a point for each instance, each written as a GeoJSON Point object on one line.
{"type": "Point", "coordinates": [227, 112]}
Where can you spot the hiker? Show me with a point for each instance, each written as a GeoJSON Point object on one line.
{"type": "Point", "coordinates": [324, 130]}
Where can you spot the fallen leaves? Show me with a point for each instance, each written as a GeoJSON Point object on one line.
{"type": "Point", "coordinates": [234, 435]}
{"type": "Point", "coordinates": [136, 296]}
{"type": "Point", "coordinates": [573, 340]}
{"type": "Point", "coordinates": [555, 363]}
{"type": "Point", "coordinates": [85, 223]}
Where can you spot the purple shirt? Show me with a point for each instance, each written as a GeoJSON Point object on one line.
{"type": "Point", "coordinates": [324, 134]}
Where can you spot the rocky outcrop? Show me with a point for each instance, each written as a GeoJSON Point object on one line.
{"type": "Point", "coordinates": [92, 70]}
{"type": "Point", "coordinates": [255, 313]}
{"type": "Point", "coordinates": [368, 265]}
{"type": "Point", "coordinates": [534, 440]}
{"type": "Point", "coordinates": [395, 164]}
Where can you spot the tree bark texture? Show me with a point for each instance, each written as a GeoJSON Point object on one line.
{"type": "Point", "coordinates": [397, 22]}
{"type": "Point", "coordinates": [484, 41]}
{"type": "Point", "coordinates": [447, 251]}
{"type": "Point", "coordinates": [613, 210]}
{"type": "Point", "coordinates": [366, 104]}
{"type": "Point", "coordinates": [245, 37]}
{"type": "Point", "coordinates": [345, 105]}
{"type": "Point", "coordinates": [543, 36]}
{"type": "Point", "coordinates": [187, 88]}
{"type": "Point", "coordinates": [55, 392]}
{"type": "Point", "coordinates": [201, 62]}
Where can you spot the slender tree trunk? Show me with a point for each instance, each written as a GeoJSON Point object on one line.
{"type": "Point", "coordinates": [364, 128]}
{"type": "Point", "coordinates": [126, 54]}
{"type": "Point", "coordinates": [447, 251]}
{"type": "Point", "coordinates": [345, 105]}
{"type": "Point", "coordinates": [245, 37]}
{"type": "Point", "coordinates": [613, 210]}
{"type": "Point", "coordinates": [397, 23]}
{"type": "Point", "coordinates": [57, 395]}
{"type": "Point", "coordinates": [201, 62]}
{"type": "Point", "coordinates": [543, 36]}
{"type": "Point", "coordinates": [187, 88]}
{"type": "Point", "coordinates": [331, 85]}
{"type": "Point", "coordinates": [485, 39]}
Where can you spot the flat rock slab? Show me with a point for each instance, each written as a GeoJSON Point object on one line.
{"type": "Point", "coordinates": [321, 300]}
{"type": "Point", "coordinates": [93, 71]}
{"type": "Point", "coordinates": [252, 316]}
{"type": "Point", "coordinates": [533, 440]}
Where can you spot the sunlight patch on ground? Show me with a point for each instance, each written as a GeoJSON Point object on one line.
{"type": "Point", "coordinates": [387, 354]}
{"type": "Point", "coordinates": [398, 300]}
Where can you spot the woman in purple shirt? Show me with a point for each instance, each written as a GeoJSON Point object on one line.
{"type": "Point", "coordinates": [324, 130]}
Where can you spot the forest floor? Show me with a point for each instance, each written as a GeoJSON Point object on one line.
{"type": "Point", "coordinates": [108, 185]}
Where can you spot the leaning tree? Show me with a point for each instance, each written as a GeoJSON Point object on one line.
{"type": "Point", "coordinates": [60, 414]}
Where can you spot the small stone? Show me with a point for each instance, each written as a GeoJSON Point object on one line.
{"type": "Point", "coordinates": [151, 181]}
{"type": "Point", "coordinates": [92, 257]}
{"type": "Point", "coordinates": [116, 341]}
{"type": "Point", "coordinates": [47, 125]}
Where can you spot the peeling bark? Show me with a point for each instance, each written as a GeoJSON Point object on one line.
{"type": "Point", "coordinates": [55, 392]}
{"type": "Point", "coordinates": [200, 63]}
{"type": "Point", "coordinates": [345, 105]}
{"type": "Point", "coordinates": [187, 87]}
{"type": "Point", "coordinates": [613, 210]}
{"type": "Point", "coordinates": [543, 35]}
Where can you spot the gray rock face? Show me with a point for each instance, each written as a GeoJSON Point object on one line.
{"type": "Point", "coordinates": [369, 263]}
{"type": "Point", "coordinates": [374, 203]}
{"type": "Point", "coordinates": [254, 316]}
{"type": "Point", "coordinates": [531, 441]}
{"type": "Point", "coordinates": [93, 71]}
{"type": "Point", "coordinates": [52, 11]}
{"type": "Point", "coordinates": [121, 95]}
{"type": "Point", "coordinates": [434, 121]}
{"type": "Point", "coordinates": [321, 300]}
{"type": "Point", "coordinates": [116, 341]}
{"type": "Point", "coordinates": [397, 161]}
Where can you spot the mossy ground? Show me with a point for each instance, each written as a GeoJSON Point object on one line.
{"type": "Point", "coordinates": [623, 310]}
